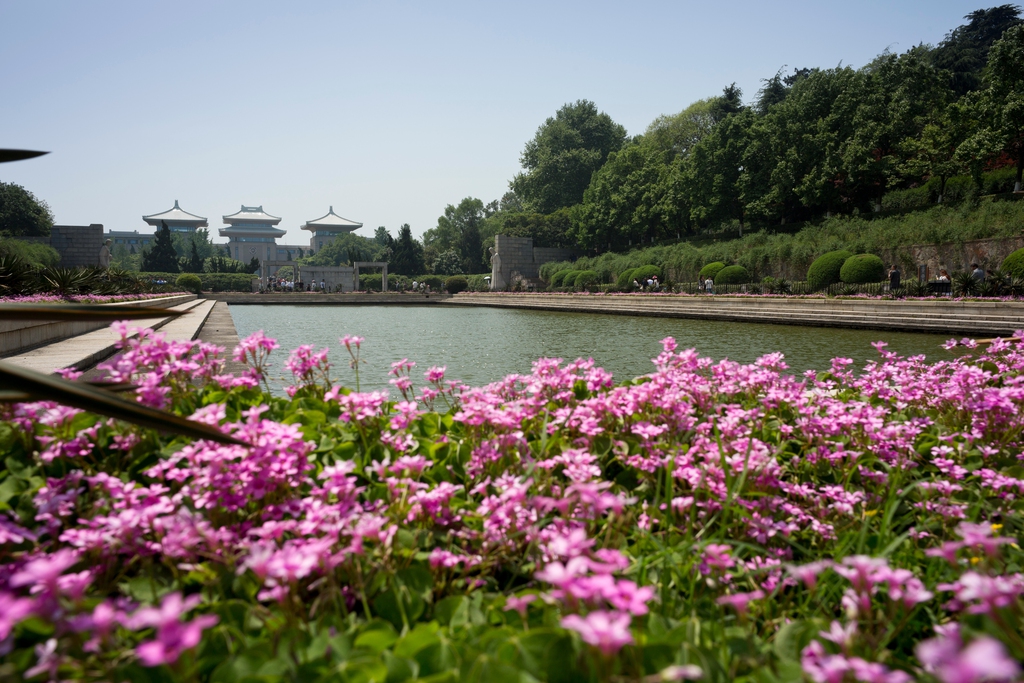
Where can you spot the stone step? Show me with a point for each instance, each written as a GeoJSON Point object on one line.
{"type": "Point", "coordinates": [87, 349]}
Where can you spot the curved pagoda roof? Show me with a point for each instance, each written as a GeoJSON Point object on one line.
{"type": "Point", "coordinates": [252, 214]}
{"type": "Point", "coordinates": [332, 221]}
{"type": "Point", "coordinates": [176, 216]}
{"type": "Point", "coordinates": [252, 221]}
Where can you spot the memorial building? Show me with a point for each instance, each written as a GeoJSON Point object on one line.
{"type": "Point", "coordinates": [251, 232]}
{"type": "Point", "coordinates": [326, 228]}
{"type": "Point", "coordinates": [177, 220]}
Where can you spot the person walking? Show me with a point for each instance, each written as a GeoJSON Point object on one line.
{"type": "Point", "coordinates": [894, 279]}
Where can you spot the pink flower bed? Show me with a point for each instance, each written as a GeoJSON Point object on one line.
{"type": "Point", "coordinates": [710, 520]}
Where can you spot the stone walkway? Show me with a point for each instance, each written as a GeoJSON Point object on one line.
{"type": "Point", "coordinates": [220, 330]}
{"type": "Point", "coordinates": [86, 350]}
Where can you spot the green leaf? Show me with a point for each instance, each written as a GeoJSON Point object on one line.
{"type": "Point", "coordinates": [49, 387]}
{"type": "Point", "coordinates": [791, 639]}
{"type": "Point", "coordinates": [378, 635]}
{"type": "Point", "coordinates": [452, 611]}
{"type": "Point", "coordinates": [421, 636]}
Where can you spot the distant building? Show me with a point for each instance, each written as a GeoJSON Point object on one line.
{"type": "Point", "coordinates": [177, 220]}
{"type": "Point", "coordinates": [251, 233]}
{"type": "Point", "coordinates": [132, 240]}
{"type": "Point", "coordinates": [326, 228]}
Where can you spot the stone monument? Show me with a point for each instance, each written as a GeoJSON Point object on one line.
{"type": "Point", "coordinates": [105, 254]}
{"type": "Point", "coordinates": [498, 282]}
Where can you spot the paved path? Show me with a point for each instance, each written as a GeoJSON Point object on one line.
{"type": "Point", "coordinates": [220, 330]}
{"type": "Point", "coordinates": [86, 350]}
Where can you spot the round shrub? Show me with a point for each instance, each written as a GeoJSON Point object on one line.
{"type": "Point", "coordinates": [711, 270]}
{"type": "Point", "coordinates": [644, 272]}
{"type": "Point", "coordinates": [1013, 265]}
{"type": "Point", "coordinates": [456, 284]}
{"type": "Point", "coordinates": [435, 282]}
{"type": "Point", "coordinates": [825, 269]}
{"type": "Point", "coordinates": [569, 279]}
{"type": "Point", "coordinates": [189, 282]}
{"type": "Point", "coordinates": [862, 268]}
{"type": "Point", "coordinates": [625, 279]}
{"type": "Point", "coordinates": [732, 275]}
{"type": "Point", "coordinates": [556, 280]}
{"type": "Point", "coordinates": [587, 279]}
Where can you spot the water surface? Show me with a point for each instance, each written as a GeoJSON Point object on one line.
{"type": "Point", "coordinates": [482, 345]}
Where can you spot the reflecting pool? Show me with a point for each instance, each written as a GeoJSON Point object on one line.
{"type": "Point", "coordinates": [482, 345]}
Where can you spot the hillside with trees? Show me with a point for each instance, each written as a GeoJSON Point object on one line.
{"type": "Point", "coordinates": [934, 126]}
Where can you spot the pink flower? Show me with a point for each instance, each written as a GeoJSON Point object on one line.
{"type": "Point", "coordinates": [607, 631]}
{"type": "Point", "coordinates": [42, 572]}
{"type": "Point", "coordinates": [985, 659]}
{"type": "Point", "coordinates": [739, 601]}
{"type": "Point", "coordinates": [519, 604]}
{"type": "Point", "coordinates": [12, 610]}
{"type": "Point", "coordinates": [172, 636]}
{"type": "Point", "coordinates": [808, 573]}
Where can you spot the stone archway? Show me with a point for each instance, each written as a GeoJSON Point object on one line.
{"type": "Point", "coordinates": [383, 265]}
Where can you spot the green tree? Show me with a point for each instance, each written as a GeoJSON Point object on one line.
{"type": "Point", "coordinates": [1002, 103]}
{"type": "Point", "coordinates": [900, 94]}
{"type": "Point", "coordinates": [161, 257]}
{"type": "Point", "coordinates": [407, 256]}
{"type": "Point", "coordinates": [560, 159]}
{"type": "Point", "coordinates": [448, 263]}
{"type": "Point", "coordinates": [343, 250]}
{"type": "Point", "coordinates": [630, 201]}
{"type": "Point", "coordinates": [459, 230]}
{"type": "Point", "coordinates": [714, 171]}
{"type": "Point", "coordinates": [965, 50]}
{"type": "Point", "coordinates": [22, 214]}
{"type": "Point", "coordinates": [195, 261]}
{"type": "Point", "coordinates": [729, 102]}
{"type": "Point", "coordinates": [676, 135]}
{"type": "Point", "coordinates": [934, 152]}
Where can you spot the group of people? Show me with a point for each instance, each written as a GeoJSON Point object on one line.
{"type": "Point", "coordinates": [651, 284]}
{"type": "Point", "coordinates": [278, 284]}
{"type": "Point", "coordinates": [420, 287]}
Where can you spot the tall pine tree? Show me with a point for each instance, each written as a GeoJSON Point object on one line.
{"type": "Point", "coordinates": [161, 258]}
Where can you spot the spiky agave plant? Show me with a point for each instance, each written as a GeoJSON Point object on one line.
{"type": "Point", "coordinates": [16, 276]}
{"type": "Point", "coordinates": [964, 284]}
{"type": "Point", "coordinates": [66, 281]}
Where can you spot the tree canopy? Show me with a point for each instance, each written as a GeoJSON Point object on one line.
{"type": "Point", "coordinates": [22, 214]}
{"type": "Point", "coordinates": [560, 159]}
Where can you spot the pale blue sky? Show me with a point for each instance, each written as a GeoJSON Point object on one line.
{"type": "Point", "coordinates": [389, 110]}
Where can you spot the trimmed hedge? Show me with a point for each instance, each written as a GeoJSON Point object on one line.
{"type": "Point", "coordinates": [625, 279]}
{"type": "Point", "coordinates": [1013, 265]}
{"type": "Point", "coordinates": [861, 269]}
{"type": "Point", "coordinates": [732, 275]}
{"type": "Point", "coordinates": [569, 279]}
{"type": "Point", "coordinates": [212, 282]}
{"type": "Point", "coordinates": [711, 270]}
{"type": "Point", "coordinates": [586, 279]}
{"type": "Point", "coordinates": [825, 269]}
{"type": "Point", "coordinates": [456, 284]}
{"type": "Point", "coordinates": [559, 277]}
{"type": "Point", "coordinates": [644, 272]}
{"type": "Point", "coordinates": [190, 282]}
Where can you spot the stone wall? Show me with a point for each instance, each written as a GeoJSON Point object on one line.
{"type": "Point", "coordinates": [78, 245]}
{"type": "Point", "coordinates": [520, 258]}
{"type": "Point", "coordinates": [988, 254]}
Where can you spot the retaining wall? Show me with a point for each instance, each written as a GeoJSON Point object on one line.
{"type": "Point", "coordinates": [942, 316]}
{"type": "Point", "coordinates": [17, 336]}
